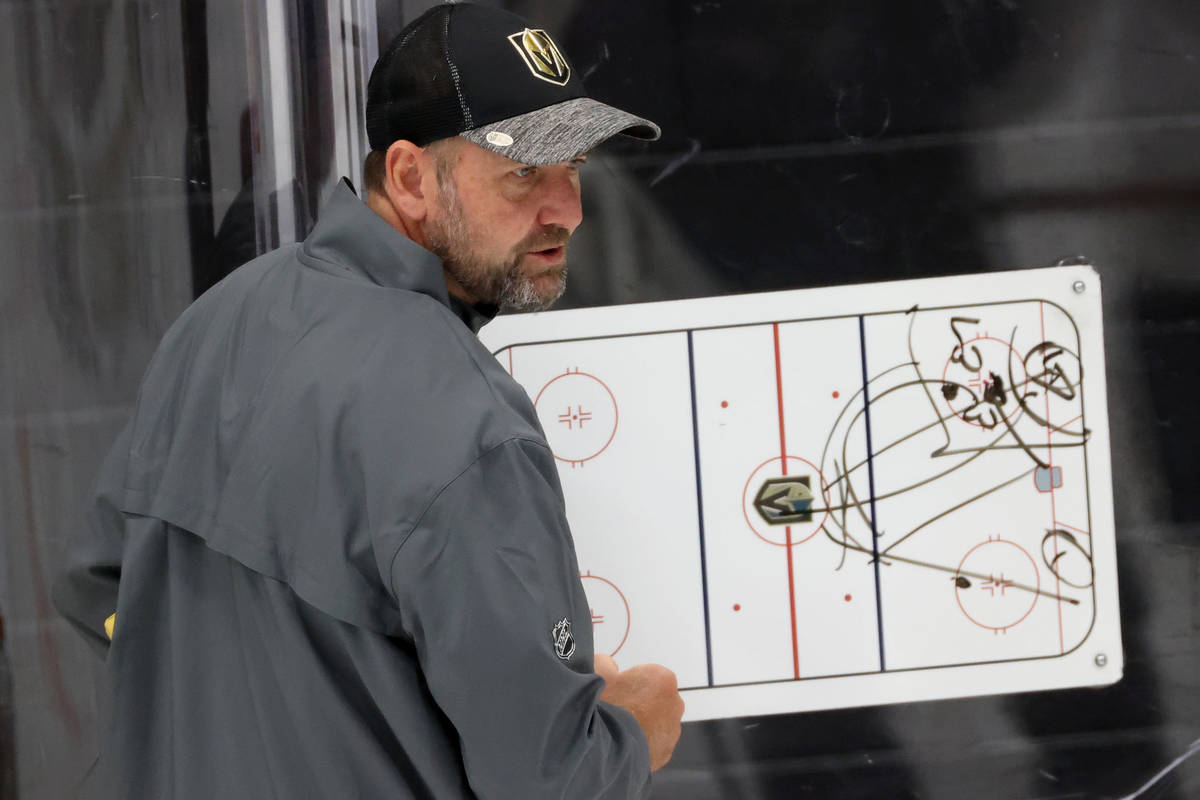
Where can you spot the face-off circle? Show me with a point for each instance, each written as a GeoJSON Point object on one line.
{"type": "Point", "coordinates": [579, 414]}
{"type": "Point", "coordinates": [610, 613]}
{"type": "Point", "coordinates": [796, 468]}
{"type": "Point", "coordinates": [996, 601]}
{"type": "Point", "coordinates": [967, 381]}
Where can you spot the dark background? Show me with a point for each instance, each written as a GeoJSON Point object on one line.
{"type": "Point", "coordinates": [805, 144]}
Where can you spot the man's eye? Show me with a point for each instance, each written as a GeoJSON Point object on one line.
{"type": "Point", "coordinates": [524, 172]}
{"type": "Point", "coordinates": [579, 161]}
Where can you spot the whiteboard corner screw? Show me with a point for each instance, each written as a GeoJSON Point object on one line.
{"type": "Point", "coordinates": [1079, 287]}
{"type": "Point", "coordinates": [1101, 660]}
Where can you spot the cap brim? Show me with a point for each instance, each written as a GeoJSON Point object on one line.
{"type": "Point", "coordinates": [559, 132]}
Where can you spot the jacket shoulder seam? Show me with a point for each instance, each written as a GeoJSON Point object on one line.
{"type": "Point", "coordinates": [437, 495]}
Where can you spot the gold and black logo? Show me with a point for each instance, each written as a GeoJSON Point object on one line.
{"type": "Point", "coordinates": [785, 501]}
{"type": "Point", "coordinates": [542, 56]}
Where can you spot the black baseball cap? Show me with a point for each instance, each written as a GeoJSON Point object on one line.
{"type": "Point", "coordinates": [484, 73]}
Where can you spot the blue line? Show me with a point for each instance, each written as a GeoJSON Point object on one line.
{"type": "Point", "coordinates": [862, 341]}
{"type": "Point", "coordinates": [700, 507]}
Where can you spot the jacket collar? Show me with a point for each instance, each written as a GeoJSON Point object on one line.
{"type": "Point", "coordinates": [475, 316]}
{"type": "Point", "coordinates": [352, 241]}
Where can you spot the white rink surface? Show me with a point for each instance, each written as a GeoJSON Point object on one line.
{"type": "Point", "coordinates": [934, 565]}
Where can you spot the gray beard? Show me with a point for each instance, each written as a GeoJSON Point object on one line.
{"type": "Point", "coordinates": [499, 283]}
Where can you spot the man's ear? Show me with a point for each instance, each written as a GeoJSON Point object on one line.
{"type": "Point", "coordinates": [407, 175]}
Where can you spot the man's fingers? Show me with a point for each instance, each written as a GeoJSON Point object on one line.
{"type": "Point", "coordinates": [606, 667]}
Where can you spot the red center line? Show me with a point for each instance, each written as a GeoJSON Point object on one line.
{"type": "Point", "coordinates": [510, 366]}
{"type": "Point", "coordinates": [788, 528]}
{"type": "Point", "coordinates": [1053, 509]}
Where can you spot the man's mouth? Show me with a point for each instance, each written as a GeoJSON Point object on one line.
{"type": "Point", "coordinates": [548, 246]}
{"type": "Point", "coordinates": [549, 255]}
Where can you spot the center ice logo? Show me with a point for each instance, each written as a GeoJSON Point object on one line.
{"type": "Point", "coordinates": [783, 501]}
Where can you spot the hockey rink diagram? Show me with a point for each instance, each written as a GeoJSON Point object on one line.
{"type": "Point", "coordinates": [817, 511]}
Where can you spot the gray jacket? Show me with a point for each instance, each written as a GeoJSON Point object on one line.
{"type": "Point", "coordinates": [333, 537]}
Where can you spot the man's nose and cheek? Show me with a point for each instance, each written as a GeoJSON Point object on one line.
{"type": "Point", "coordinates": [560, 213]}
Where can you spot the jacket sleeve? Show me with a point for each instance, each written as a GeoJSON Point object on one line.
{"type": "Point", "coordinates": [489, 589]}
{"type": "Point", "coordinates": [86, 589]}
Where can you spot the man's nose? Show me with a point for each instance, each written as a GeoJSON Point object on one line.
{"type": "Point", "coordinates": [560, 202]}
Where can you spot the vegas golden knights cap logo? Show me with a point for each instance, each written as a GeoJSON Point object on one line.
{"type": "Point", "coordinates": [542, 56]}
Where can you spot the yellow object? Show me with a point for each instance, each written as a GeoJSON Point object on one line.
{"type": "Point", "coordinates": [109, 624]}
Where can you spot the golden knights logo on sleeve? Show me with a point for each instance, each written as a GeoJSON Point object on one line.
{"type": "Point", "coordinates": [564, 642]}
{"type": "Point", "coordinates": [542, 56]}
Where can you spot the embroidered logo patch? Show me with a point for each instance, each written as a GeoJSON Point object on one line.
{"type": "Point", "coordinates": [564, 642]}
{"type": "Point", "coordinates": [542, 56]}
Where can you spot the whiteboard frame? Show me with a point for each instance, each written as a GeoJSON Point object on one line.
{"type": "Point", "coordinates": [1097, 661]}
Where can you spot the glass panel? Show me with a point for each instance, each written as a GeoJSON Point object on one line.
{"type": "Point", "coordinates": [149, 149]}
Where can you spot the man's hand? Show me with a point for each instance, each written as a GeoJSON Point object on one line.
{"type": "Point", "coordinates": [651, 693]}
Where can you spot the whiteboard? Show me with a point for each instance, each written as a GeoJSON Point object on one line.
{"type": "Point", "coordinates": [840, 496]}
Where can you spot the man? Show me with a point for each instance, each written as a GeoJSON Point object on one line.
{"type": "Point", "coordinates": [328, 556]}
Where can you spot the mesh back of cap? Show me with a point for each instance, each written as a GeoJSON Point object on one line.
{"type": "Point", "coordinates": [412, 92]}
